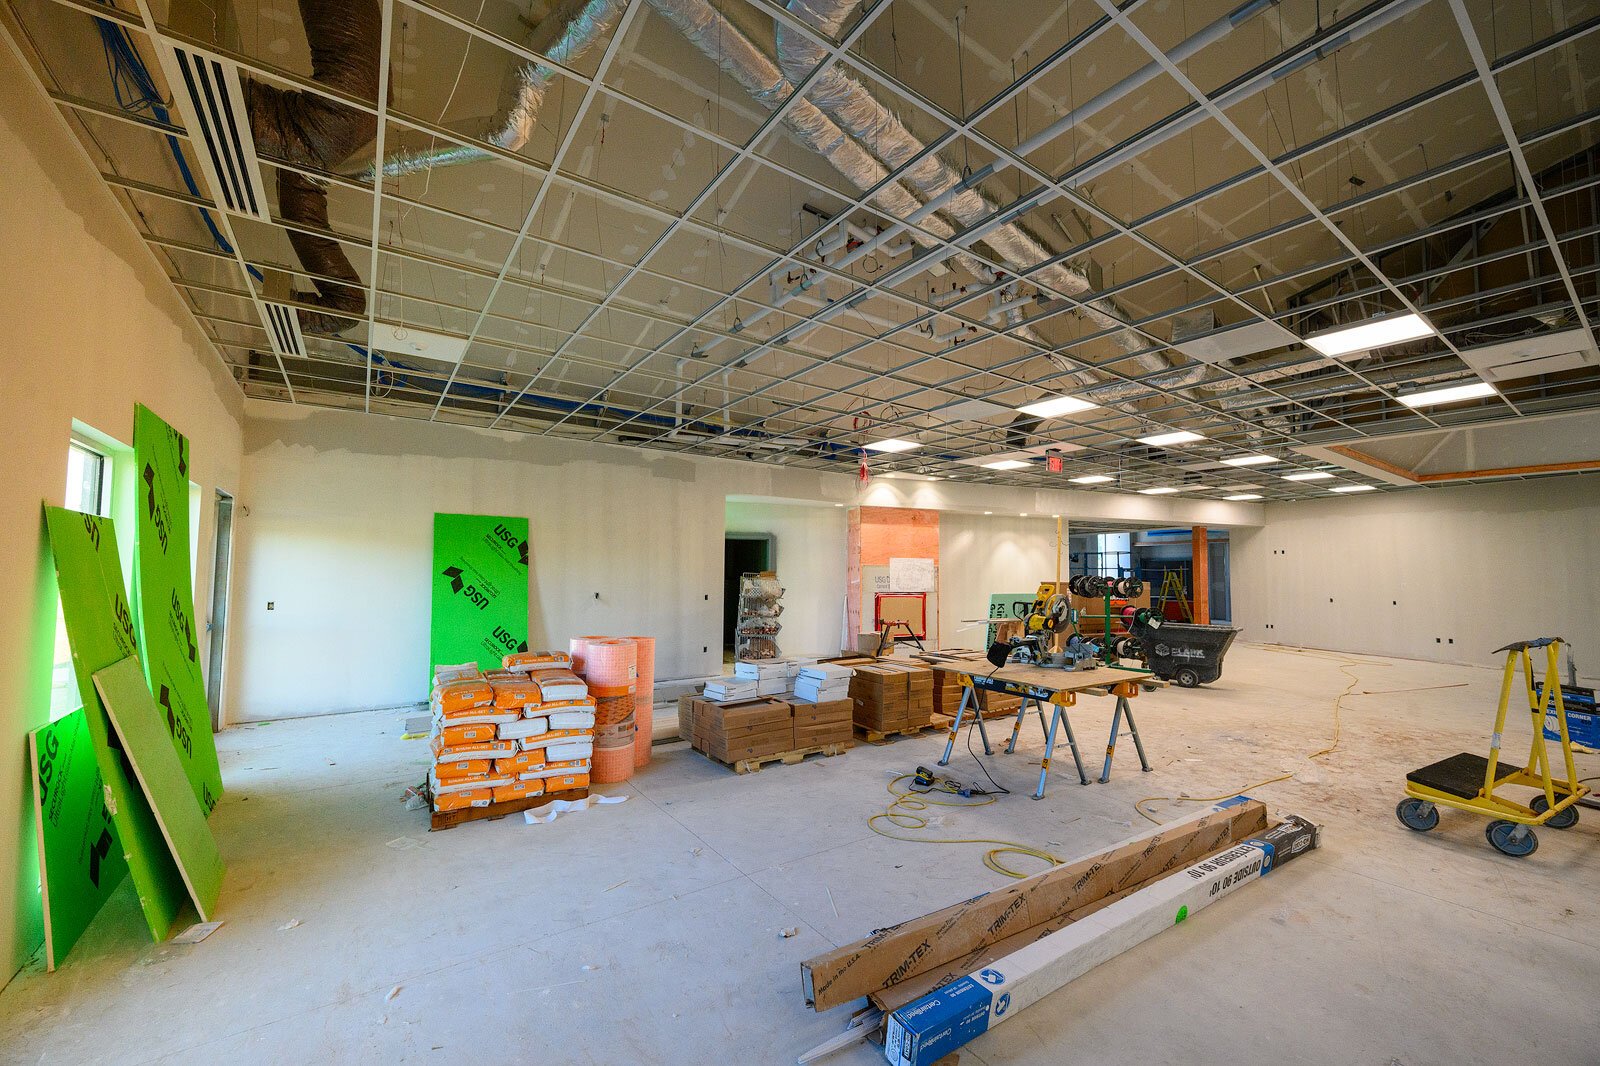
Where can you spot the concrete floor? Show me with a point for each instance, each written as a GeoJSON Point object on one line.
{"type": "Point", "coordinates": [651, 932]}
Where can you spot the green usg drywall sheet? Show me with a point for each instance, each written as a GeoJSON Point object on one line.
{"type": "Point", "coordinates": [480, 589]}
{"type": "Point", "coordinates": [80, 862]}
{"type": "Point", "coordinates": [142, 728]}
{"type": "Point", "coordinates": [100, 631]}
{"type": "Point", "coordinates": [165, 596]}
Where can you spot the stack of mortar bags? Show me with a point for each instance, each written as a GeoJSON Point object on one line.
{"type": "Point", "coordinates": [555, 737]}
{"type": "Point", "coordinates": [467, 746]}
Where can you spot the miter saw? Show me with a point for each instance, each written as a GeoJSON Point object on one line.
{"type": "Point", "coordinates": [1047, 614]}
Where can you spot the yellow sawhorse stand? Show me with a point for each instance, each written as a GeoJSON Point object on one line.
{"type": "Point", "coordinates": [1038, 686]}
{"type": "Point", "coordinates": [1471, 782]}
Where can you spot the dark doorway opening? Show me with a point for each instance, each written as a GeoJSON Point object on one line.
{"type": "Point", "coordinates": [742, 553]}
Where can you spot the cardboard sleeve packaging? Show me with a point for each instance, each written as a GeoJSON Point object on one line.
{"type": "Point", "coordinates": [899, 952]}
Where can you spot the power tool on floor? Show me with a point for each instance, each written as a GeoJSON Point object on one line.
{"type": "Point", "coordinates": [925, 780]}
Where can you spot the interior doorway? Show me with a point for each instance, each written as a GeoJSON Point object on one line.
{"type": "Point", "coordinates": [742, 553]}
{"type": "Point", "coordinates": [217, 624]}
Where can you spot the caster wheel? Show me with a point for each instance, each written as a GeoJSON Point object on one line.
{"type": "Point", "coordinates": [1418, 815]}
{"type": "Point", "coordinates": [1187, 678]}
{"type": "Point", "coordinates": [1565, 820]}
{"type": "Point", "coordinates": [1506, 839]}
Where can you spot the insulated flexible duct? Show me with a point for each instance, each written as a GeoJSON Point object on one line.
{"type": "Point", "coordinates": [593, 21]}
{"type": "Point", "coordinates": [304, 201]}
{"type": "Point", "coordinates": [865, 118]}
{"type": "Point", "coordinates": [739, 57]}
{"type": "Point", "coordinates": [315, 132]}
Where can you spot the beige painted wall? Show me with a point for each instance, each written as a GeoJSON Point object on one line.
{"type": "Point", "coordinates": [336, 530]}
{"type": "Point", "coordinates": [984, 554]}
{"type": "Point", "coordinates": [1405, 573]}
{"type": "Point", "coordinates": [92, 327]}
{"type": "Point", "coordinates": [810, 541]}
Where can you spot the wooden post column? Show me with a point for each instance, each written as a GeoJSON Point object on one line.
{"type": "Point", "coordinates": [1201, 571]}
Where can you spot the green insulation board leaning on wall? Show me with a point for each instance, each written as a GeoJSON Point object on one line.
{"type": "Point", "coordinates": [480, 589]}
{"type": "Point", "coordinates": [100, 631]}
{"type": "Point", "coordinates": [164, 592]}
{"type": "Point", "coordinates": [141, 727]}
{"type": "Point", "coordinates": [80, 861]}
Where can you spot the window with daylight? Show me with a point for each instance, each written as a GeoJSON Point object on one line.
{"type": "Point", "coordinates": [88, 490]}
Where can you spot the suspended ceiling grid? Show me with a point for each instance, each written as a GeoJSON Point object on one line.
{"type": "Point", "coordinates": [616, 277]}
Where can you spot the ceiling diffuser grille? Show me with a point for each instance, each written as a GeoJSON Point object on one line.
{"type": "Point", "coordinates": [208, 92]}
{"type": "Point", "coordinates": [283, 329]}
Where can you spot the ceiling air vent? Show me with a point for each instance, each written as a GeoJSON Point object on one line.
{"type": "Point", "coordinates": [1526, 357]}
{"type": "Point", "coordinates": [283, 329]}
{"type": "Point", "coordinates": [207, 91]}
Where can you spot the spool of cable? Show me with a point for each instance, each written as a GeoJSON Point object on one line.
{"type": "Point", "coordinates": [644, 698]}
{"type": "Point", "coordinates": [612, 761]}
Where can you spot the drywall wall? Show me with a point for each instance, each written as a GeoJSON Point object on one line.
{"type": "Point", "coordinates": [984, 554]}
{"type": "Point", "coordinates": [92, 327]}
{"type": "Point", "coordinates": [1405, 573]}
{"type": "Point", "coordinates": [810, 545]}
{"type": "Point", "coordinates": [335, 531]}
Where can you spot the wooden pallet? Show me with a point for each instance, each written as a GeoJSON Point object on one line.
{"type": "Point", "coordinates": [788, 758]}
{"type": "Point", "coordinates": [450, 819]}
{"type": "Point", "coordinates": [873, 736]}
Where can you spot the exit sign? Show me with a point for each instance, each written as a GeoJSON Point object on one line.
{"type": "Point", "coordinates": [1053, 463]}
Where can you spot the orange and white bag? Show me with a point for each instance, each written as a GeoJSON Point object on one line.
{"type": "Point", "coordinates": [490, 715]}
{"type": "Point", "coordinates": [444, 787]}
{"type": "Point", "coordinates": [563, 784]}
{"type": "Point", "coordinates": [460, 801]}
{"type": "Point", "coordinates": [556, 769]}
{"type": "Point", "coordinates": [443, 675]}
{"type": "Point", "coordinates": [517, 790]}
{"type": "Point", "coordinates": [552, 736]}
{"type": "Point", "coordinates": [517, 694]}
{"type": "Point", "coordinates": [521, 762]}
{"type": "Point", "coordinates": [580, 717]}
{"type": "Point", "coordinates": [528, 660]}
{"type": "Point", "coordinates": [463, 695]}
{"type": "Point", "coordinates": [474, 733]}
{"type": "Point", "coordinates": [460, 771]}
{"type": "Point", "coordinates": [499, 749]}
{"type": "Point", "coordinates": [558, 685]}
{"type": "Point", "coordinates": [523, 728]}
{"type": "Point", "coordinates": [564, 750]}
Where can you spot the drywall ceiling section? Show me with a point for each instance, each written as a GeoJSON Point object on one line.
{"type": "Point", "coordinates": [1531, 447]}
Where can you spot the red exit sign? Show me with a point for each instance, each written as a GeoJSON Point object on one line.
{"type": "Point", "coordinates": [1053, 463]}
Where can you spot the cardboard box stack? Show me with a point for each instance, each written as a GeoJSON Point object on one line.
{"type": "Point", "coordinates": [947, 696]}
{"type": "Point", "coordinates": [891, 697]}
{"type": "Point", "coordinates": [753, 728]}
{"type": "Point", "coordinates": [510, 734]}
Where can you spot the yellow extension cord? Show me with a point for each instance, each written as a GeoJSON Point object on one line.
{"type": "Point", "coordinates": [902, 814]}
{"type": "Point", "coordinates": [904, 811]}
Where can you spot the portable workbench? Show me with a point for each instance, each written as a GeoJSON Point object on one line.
{"type": "Point", "coordinates": [1038, 686]}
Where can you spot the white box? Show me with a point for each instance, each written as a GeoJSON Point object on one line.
{"type": "Point", "coordinates": [826, 672]}
{"type": "Point", "coordinates": [926, 1030]}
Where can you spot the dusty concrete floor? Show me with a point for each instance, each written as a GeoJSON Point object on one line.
{"type": "Point", "coordinates": [650, 932]}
